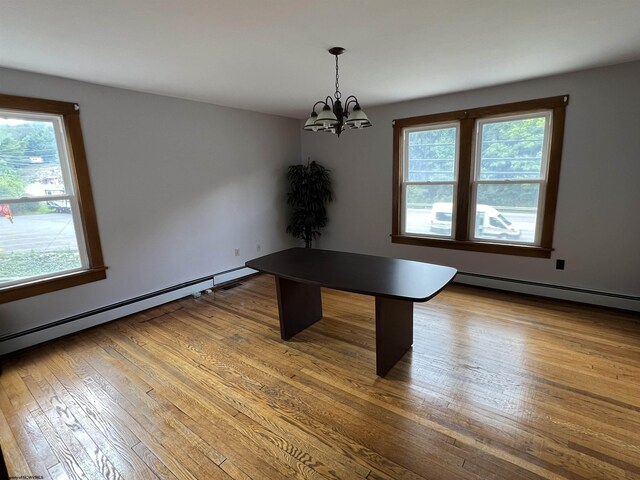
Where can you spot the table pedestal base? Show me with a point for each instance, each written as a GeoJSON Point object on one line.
{"type": "Point", "coordinates": [300, 306]}
{"type": "Point", "coordinates": [394, 332]}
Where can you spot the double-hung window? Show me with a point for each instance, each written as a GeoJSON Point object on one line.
{"type": "Point", "coordinates": [48, 231]}
{"type": "Point", "coordinates": [483, 179]}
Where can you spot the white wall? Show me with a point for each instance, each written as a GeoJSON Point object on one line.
{"type": "Point", "coordinates": [597, 227]}
{"type": "Point", "coordinates": [178, 186]}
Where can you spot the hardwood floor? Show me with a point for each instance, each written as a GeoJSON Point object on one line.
{"type": "Point", "coordinates": [497, 386]}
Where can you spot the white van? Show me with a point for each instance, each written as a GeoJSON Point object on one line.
{"type": "Point", "coordinates": [490, 223]}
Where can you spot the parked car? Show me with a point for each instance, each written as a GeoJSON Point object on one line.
{"type": "Point", "coordinates": [489, 222]}
{"type": "Point", "coordinates": [59, 205]}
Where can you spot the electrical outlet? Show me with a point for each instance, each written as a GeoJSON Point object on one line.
{"type": "Point", "coordinates": [237, 252]}
{"type": "Point", "coordinates": [258, 247]}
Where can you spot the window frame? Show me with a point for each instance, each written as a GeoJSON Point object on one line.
{"type": "Point", "coordinates": [467, 137]}
{"type": "Point", "coordinates": [69, 114]}
{"type": "Point", "coordinates": [405, 170]}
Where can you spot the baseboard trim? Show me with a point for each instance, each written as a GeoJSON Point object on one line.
{"type": "Point", "coordinates": [560, 292]}
{"type": "Point", "coordinates": [33, 336]}
{"type": "Point", "coordinates": [65, 326]}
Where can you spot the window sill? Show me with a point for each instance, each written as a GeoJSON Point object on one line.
{"type": "Point", "coordinates": [487, 247]}
{"type": "Point", "coordinates": [52, 284]}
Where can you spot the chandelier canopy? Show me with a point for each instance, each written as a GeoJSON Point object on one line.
{"type": "Point", "coordinates": [333, 117]}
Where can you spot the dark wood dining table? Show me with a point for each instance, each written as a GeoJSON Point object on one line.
{"type": "Point", "coordinates": [395, 283]}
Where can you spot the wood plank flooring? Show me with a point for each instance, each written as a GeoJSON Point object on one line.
{"type": "Point", "coordinates": [497, 386]}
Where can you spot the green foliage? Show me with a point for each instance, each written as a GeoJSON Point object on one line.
{"type": "Point", "coordinates": [309, 191]}
{"type": "Point", "coordinates": [11, 184]}
{"type": "Point", "coordinates": [43, 209]}
{"type": "Point", "coordinates": [432, 155]}
{"type": "Point", "coordinates": [421, 195]}
{"type": "Point", "coordinates": [27, 208]}
{"type": "Point", "coordinates": [28, 264]}
{"type": "Point", "coordinates": [511, 150]}
{"type": "Point", "coordinates": [20, 141]}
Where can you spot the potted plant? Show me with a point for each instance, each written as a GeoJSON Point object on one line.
{"type": "Point", "coordinates": [309, 192]}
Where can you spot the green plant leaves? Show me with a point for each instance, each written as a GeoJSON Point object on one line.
{"type": "Point", "coordinates": [309, 191]}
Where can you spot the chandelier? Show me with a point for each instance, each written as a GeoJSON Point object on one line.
{"type": "Point", "coordinates": [334, 118]}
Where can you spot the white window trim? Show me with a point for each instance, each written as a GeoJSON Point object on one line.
{"type": "Point", "coordinates": [405, 174]}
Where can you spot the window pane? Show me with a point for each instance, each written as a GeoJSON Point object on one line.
{"type": "Point", "coordinates": [428, 209]}
{"type": "Point", "coordinates": [432, 155]}
{"type": "Point", "coordinates": [512, 150]}
{"type": "Point", "coordinates": [507, 212]}
{"type": "Point", "coordinates": [36, 240]}
{"type": "Point", "coordinates": [29, 162]}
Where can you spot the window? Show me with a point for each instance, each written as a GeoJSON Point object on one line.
{"type": "Point", "coordinates": [484, 179]}
{"type": "Point", "coordinates": [48, 230]}
{"type": "Point", "coordinates": [430, 175]}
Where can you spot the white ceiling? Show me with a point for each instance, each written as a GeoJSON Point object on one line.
{"type": "Point", "coordinates": [271, 55]}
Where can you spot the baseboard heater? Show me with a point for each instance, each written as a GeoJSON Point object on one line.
{"type": "Point", "coordinates": [560, 292]}
{"type": "Point", "coordinates": [33, 336]}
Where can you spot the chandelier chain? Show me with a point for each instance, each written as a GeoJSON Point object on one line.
{"type": "Point", "coordinates": [337, 94]}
